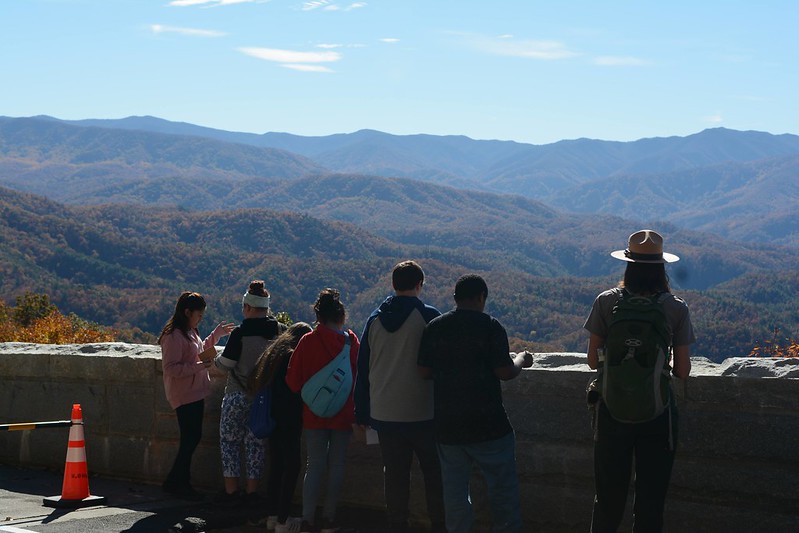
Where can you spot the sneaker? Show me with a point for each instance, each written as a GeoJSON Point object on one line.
{"type": "Point", "coordinates": [292, 525]}
{"type": "Point", "coordinates": [253, 499]}
{"type": "Point", "coordinates": [227, 499]}
{"type": "Point", "coordinates": [307, 527]}
{"type": "Point", "coordinates": [271, 522]}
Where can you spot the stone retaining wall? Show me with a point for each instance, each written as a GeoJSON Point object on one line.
{"type": "Point", "coordinates": [737, 467]}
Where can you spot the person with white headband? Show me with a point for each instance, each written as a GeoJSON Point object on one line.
{"type": "Point", "coordinates": [246, 344]}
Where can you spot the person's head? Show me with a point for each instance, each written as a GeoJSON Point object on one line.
{"type": "Point", "coordinates": [645, 258]}
{"type": "Point", "coordinates": [407, 276]}
{"type": "Point", "coordinates": [294, 333]}
{"type": "Point", "coordinates": [189, 311]}
{"type": "Point", "coordinates": [329, 309]}
{"type": "Point", "coordinates": [277, 352]}
{"type": "Point", "coordinates": [255, 302]}
{"type": "Point", "coordinates": [471, 292]}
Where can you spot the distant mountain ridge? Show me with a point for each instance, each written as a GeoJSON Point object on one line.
{"type": "Point", "coordinates": [502, 166]}
{"type": "Point", "coordinates": [38, 155]}
{"type": "Point", "coordinates": [739, 185]}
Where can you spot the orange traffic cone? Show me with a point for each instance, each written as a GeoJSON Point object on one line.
{"type": "Point", "coordinates": [75, 490]}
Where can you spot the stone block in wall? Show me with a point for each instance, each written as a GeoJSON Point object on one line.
{"type": "Point", "coordinates": [736, 482]}
{"type": "Point", "coordinates": [41, 447]}
{"type": "Point", "coordinates": [555, 462]}
{"type": "Point", "coordinates": [131, 408]}
{"type": "Point", "coordinates": [56, 398]}
{"type": "Point", "coordinates": [736, 435]}
{"type": "Point", "coordinates": [741, 394]}
{"type": "Point", "coordinates": [22, 365]}
{"type": "Point", "coordinates": [543, 408]}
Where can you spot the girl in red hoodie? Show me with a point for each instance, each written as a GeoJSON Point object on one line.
{"type": "Point", "coordinates": [326, 438]}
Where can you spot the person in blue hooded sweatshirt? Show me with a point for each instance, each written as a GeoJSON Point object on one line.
{"type": "Point", "coordinates": [392, 398]}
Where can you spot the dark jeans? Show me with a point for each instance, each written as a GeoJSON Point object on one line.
{"type": "Point", "coordinates": [285, 462]}
{"type": "Point", "coordinates": [617, 444]}
{"type": "Point", "coordinates": [397, 447]}
{"type": "Point", "coordinates": [190, 422]}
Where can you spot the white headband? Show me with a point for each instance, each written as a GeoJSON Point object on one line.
{"type": "Point", "coordinates": [253, 300]}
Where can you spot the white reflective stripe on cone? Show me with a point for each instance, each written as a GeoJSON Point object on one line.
{"type": "Point", "coordinates": [76, 433]}
{"type": "Point", "coordinates": [76, 455]}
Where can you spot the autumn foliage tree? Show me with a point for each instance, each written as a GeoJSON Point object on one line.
{"type": "Point", "coordinates": [35, 319]}
{"type": "Point", "coordinates": [775, 348]}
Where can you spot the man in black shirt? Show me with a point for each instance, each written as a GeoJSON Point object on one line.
{"type": "Point", "coordinates": [465, 352]}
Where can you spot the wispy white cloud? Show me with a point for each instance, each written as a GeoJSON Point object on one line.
{"type": "Point", "coordinates": [505, 36]}
{"type": "Point", "coordinates": [315, 4]}
{"type": "Point", "coordinates": [193, 32]}
{"type": "Point", "coordinates": [327, 5]}
{"type": "Point", "coordinates": [618, 61]}
{"type": "Point", "coordinates": [713, 119]}
{"type": "Point", "coordinates": [505, 45]}
{"type": "Point", "coordinates": [293, 59]}
{"type": "Point", "coordinates": [389, 40]}
{"type": "Point", "coordinates": [331, 46]}
{"type": "Point", "coordinates": [291, 56]}
{"type": "Point", "coordinates": [212, 3]}
{"type": "Point", "coordinates": [306, 68]}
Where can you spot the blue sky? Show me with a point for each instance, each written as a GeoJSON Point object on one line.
{"type": "Point", "coordinates": [527, 70]}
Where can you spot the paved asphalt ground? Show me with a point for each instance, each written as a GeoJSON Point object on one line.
{"type": "Point", "coordinates": [133, 507]}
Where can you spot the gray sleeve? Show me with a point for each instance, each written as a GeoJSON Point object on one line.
{"type": "Point", "coordinates": [599, 318]}
{"type": "Point", "coordinates": [682, 331]}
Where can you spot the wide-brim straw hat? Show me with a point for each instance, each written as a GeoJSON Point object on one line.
{"type": "Point", "coordinates": [645, 246]}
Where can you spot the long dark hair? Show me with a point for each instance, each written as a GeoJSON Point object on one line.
{"type": "Point", "coordinates": [645, 278]}
{"type": "Point", "coordinates": [273, 357]}
{"type": "Point", "coordinates": [192, 301]}
{"type": "Point", "coordinates": [328, 307]}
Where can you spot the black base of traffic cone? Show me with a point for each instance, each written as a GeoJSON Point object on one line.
{"type": "Point", "coordinates": [61, 503]}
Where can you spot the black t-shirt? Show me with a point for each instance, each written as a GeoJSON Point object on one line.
{"type": "Point", "coordinates": [463, 348]}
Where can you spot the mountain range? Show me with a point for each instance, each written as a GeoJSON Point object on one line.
{"type": "Point", "coordinates": [739, 185]}
{"type": "Point", "coordinates": [122, 217]}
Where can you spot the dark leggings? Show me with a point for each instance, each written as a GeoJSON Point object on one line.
{"type": "Point", "coordinates": [285, 462]}
{"type": "Point", "coordinates": [648, 443]}
{"type": "Point", "coordinates": [190, 421]}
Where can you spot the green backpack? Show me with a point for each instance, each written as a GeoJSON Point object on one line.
{"type": "Point", "coordinates": [634, 379]}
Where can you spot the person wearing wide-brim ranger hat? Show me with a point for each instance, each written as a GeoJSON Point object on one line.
{"type": "Point", "coordinates": [635, 416]}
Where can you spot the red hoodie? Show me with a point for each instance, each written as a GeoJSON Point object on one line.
{"type": "Point", "coordinates": [314, 351]}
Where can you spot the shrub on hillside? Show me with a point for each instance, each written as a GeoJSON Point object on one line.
{"type": "Point", "coordinates": [35, 319]}
{"type": "Point", "coordinates": [773, 348]}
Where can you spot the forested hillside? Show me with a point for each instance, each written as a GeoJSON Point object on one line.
{"type": "Point", "coordinates": [123, 266]}
{"type": "Point", "coordinates": [483, 229]}
{"type": "Point", "coordinates": [753, 201]}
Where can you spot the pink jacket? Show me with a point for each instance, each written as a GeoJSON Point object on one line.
{"type": "Point", "coordinates": [186, 379]}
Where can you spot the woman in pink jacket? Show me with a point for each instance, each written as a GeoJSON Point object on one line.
{"type": "Point", "coordinates": [185, 358]}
